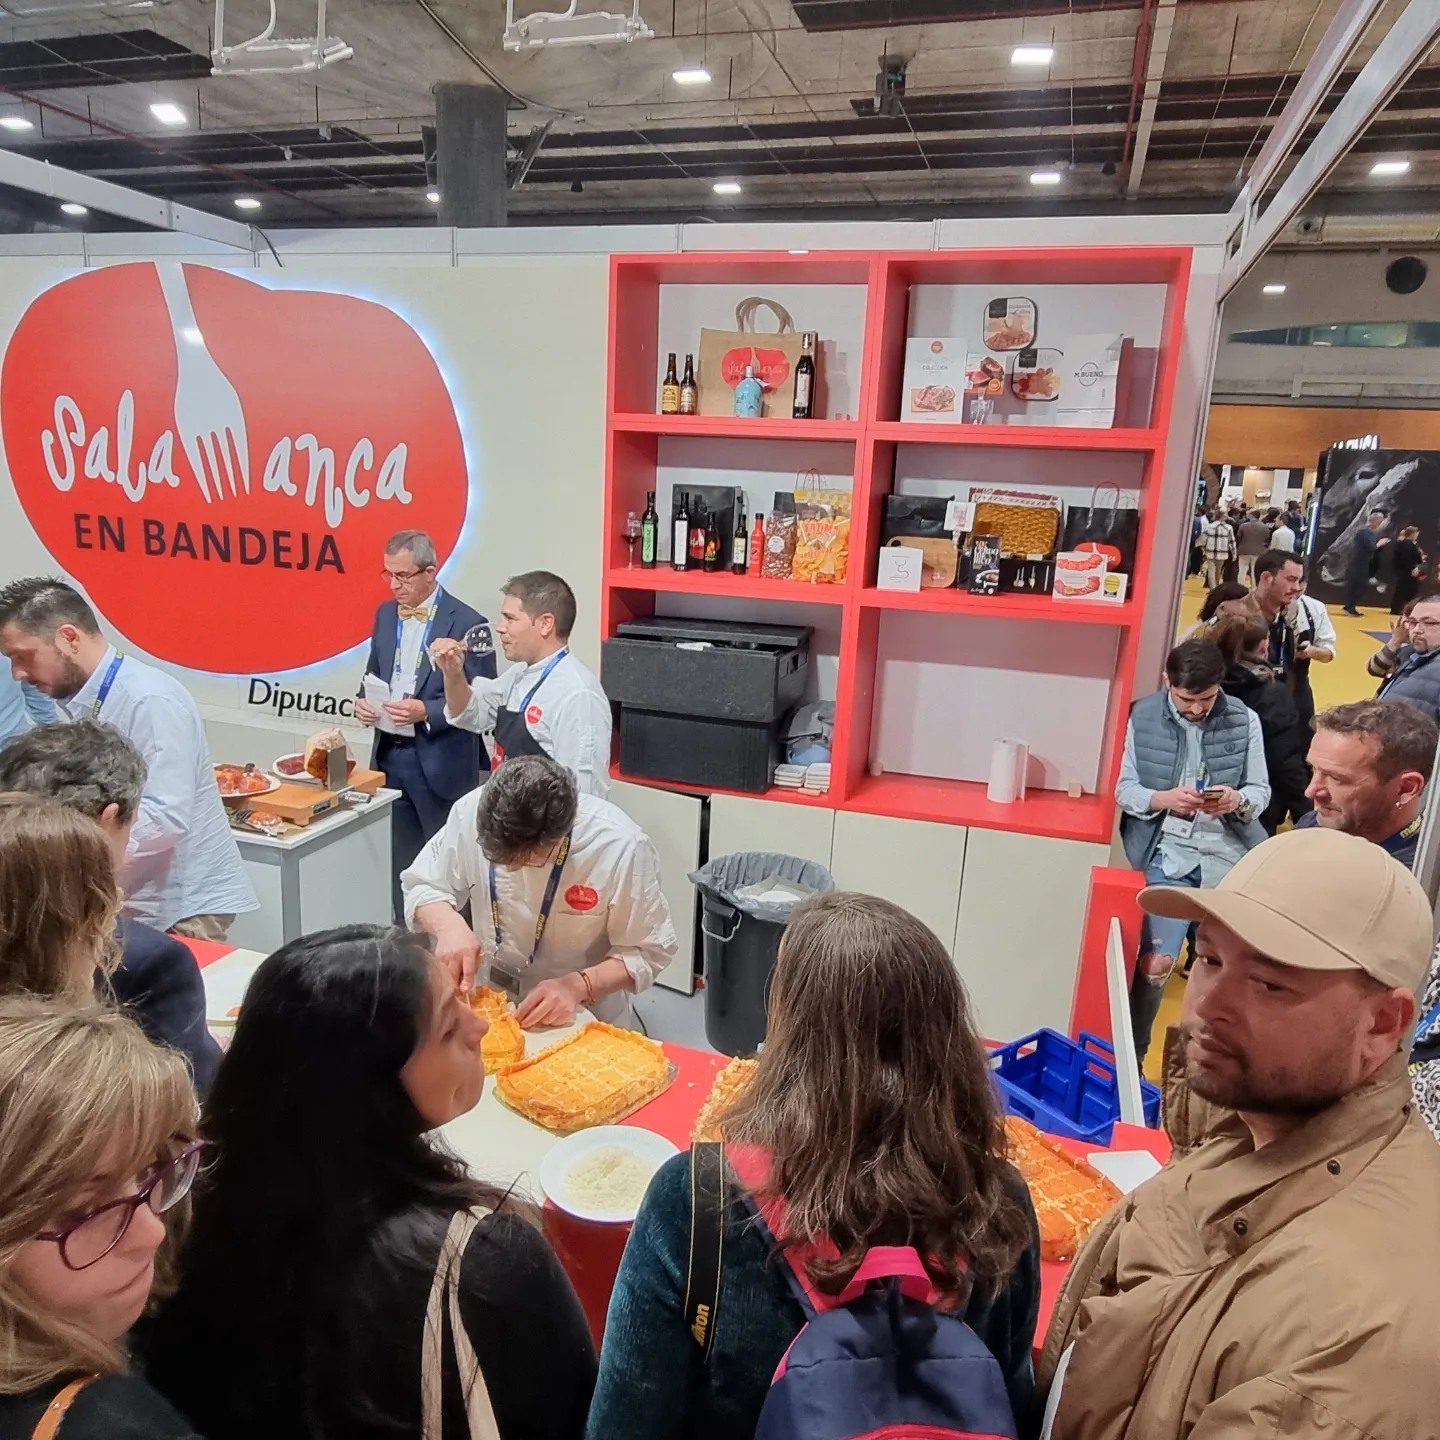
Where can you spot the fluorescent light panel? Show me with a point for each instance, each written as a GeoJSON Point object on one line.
{"type": "Point", "coordinates": [693, 75]}
{"type": "Point", "coordinates": [727, 187]}
{"type": "Point", "coordinates": [1045, 177]}
{"type": "Point", "coordinates": [1272, 289]}
{"type": "Point", "coordinates": [71, 208]}
{"type": "Point", "coordinates": [1032, 54]}
{"type": "Point", "coordinates": [1390, 167]}
{"type": "Point", "coordinates": [247, 202]}
{"type": "Point", "coordinates": [433, 196]}
{"type": "Point", "coordinates": [168, 114]}
{"type": "Point", "coordinates": [16, 122]}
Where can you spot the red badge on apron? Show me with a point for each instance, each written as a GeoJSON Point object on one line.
{"type": "Point", "coordinates": [533, 714]}
{"type": "Point", "coordinates": [581, 897]}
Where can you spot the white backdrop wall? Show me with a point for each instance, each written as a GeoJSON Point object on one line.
{"type": "Point", "coordinates": [517, 321]}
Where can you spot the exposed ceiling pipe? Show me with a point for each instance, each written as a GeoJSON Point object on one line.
{"type": "Point", "coordinates": [1138, 64]}
{"type": "Point", "coordinates": [533, 143]}
{"type": "Point", "coordinates": [1162, 27]}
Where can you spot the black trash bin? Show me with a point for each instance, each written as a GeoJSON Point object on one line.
{"type": "Point", "coordinates": [742, 938]}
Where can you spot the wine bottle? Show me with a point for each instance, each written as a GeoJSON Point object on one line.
{"type": "Point", "coordinates": [699, 525]}
{"type": "Point", "coordinates": [804, 406]}
{"type": "Point", "coordinates": [680, 536]}
{"type": "Point", "coordinates": [689, 391]}
{"type": "Point", "coordinates": [670, 390]}
{"type": "Point", "coordinates": [739, 544]}
{"type": "Point", "coordinates": [712, 544]}
{"type": "Point", "coordinates": [649, 533]}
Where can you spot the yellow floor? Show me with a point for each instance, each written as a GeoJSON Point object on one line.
{"type": "Point", "coordinates": [1342, 680]}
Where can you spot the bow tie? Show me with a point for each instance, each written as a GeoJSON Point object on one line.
{"type": "Point", "coordinates": [415, 612]}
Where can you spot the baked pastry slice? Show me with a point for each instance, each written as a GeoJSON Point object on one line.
{"type": "Point", "coordinates": [730, 1082]}
{"type": "Point", "coordinates": [592, 1077]}
{"type": "Point", "coordinates": [1070, 1194]}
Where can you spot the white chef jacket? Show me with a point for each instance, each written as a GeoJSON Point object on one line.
{"type": "Point", "coordinates": [569, 718]}
{"type": "Point", "coordinates": [1320, 622]}
{"type": "Point", "coordinates": [609, 901]}
{"type": "Point", "coordinates": [183, 859]}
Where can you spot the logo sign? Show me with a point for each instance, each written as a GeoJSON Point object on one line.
{"type": "Point", "coordinates": [220, 464]}
{"type": "Point", "coordinates": [1089, 374]}
{"type": "Point", "coordinates": [772, 367]}
{"type": "Point", "coordinates": [582, 898]}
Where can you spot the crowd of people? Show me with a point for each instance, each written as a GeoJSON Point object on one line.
{"type": "Point", "coordinates": [277, 1243]}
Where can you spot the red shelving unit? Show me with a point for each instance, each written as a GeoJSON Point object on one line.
{"type": "Point", "coordinates": [633, 459]}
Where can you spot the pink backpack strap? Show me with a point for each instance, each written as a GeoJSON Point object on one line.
{"type": "Point", "coordinates": [886, 1262]}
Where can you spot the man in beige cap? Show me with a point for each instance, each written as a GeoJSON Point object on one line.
{"type": "Point", "coordinates": [1279, 1278]}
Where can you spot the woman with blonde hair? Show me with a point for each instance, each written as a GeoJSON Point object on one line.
{"type": "Point", "coordinates": [97, 1146]}
{"type": "Point", "coordinates": [58, 899]}
{"type": "Point", "coordinates": [873, 1113]}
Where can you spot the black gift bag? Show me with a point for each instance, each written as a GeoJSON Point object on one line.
{"type": "Point", "coordinates": [1112, 530]}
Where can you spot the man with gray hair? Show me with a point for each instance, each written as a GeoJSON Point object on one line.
{"type": "Point", "coordinates": [92, 768]}
{"type": "Point", "coordinates": [431, 762]}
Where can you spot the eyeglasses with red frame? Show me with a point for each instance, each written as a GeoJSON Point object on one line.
{"type": "Point", "coordinates": [90, 1237]}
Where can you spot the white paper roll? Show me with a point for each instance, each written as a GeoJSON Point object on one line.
{"type": "Point", "coordinates": [1008, 762]}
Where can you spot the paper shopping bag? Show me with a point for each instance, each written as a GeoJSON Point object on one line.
{"type": "Point", "coordinates": [1109, 530]}
{"type": "Point", "coordinates": [724, 354]}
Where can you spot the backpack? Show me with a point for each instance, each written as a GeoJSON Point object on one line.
{"type": "Point", "coordinates": [879, 1361]}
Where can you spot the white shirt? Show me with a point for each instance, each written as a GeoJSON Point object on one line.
{"type": "Point", "coordinates": [1320, 622]}
{"type": "Point", "coordinates": [609, 901]}
{"type": "Point", "coordinates": [183, 859]}
{"type": "Point", "coordinates": [1282, 537]}
{"type": "Point", "coordinates": [412, 632]}
{"type": "Point", "coordinates": [569, 718]}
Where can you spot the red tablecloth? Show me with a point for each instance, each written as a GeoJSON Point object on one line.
{"type": "Point", "coordinates": [206, 952]}
{"type": "Point", "coordinates": [591, 1252]}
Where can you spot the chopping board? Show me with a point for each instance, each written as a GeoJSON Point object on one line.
{"type": "Point", "coordinates": [300, 803]}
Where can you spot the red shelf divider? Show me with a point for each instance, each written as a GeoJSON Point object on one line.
{"type": "Point", "coordinates": [631, 464]}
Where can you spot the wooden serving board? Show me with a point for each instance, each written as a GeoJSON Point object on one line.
{"type": "Point", "coordinates": [300, 803]}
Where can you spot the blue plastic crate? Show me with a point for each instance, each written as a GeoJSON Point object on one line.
{"type": "Point", "coordinates": [1065, 1087]}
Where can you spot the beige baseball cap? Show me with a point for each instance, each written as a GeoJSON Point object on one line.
{"type": "Point", "coordinates": [1318, 900]}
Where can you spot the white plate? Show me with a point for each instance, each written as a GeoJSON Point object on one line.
{"type": "Point", "coordinates": [304, 777]}
{"type": "Point", "coordinates": [254, 794]}
{"type": "Point", "coordinates": [650, 1149]}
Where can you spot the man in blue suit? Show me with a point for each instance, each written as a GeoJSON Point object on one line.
{"type": "Point", "coordinates": [434, 764]}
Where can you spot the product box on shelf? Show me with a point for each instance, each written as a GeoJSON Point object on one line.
{"type": "Point", "coordinates": [936, 375]}
{"type": "Point", "coordinates": [1090, 381]}
{"type": "Point", "coordinates": [1079, 575]}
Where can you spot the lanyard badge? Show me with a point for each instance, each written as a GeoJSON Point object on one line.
{"type": "Point", "coordinates": [396, 674]}
{"type": "Point", "coordinates": [103, 694]}
{"type": "Point", "coordinates": [507, 979]}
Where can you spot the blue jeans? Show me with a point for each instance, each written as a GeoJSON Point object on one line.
{"type": "Point", "coordinates": [1161, 938]}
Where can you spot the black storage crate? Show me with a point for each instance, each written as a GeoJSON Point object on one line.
{"type": "Point", "coordinates": [707, 716]}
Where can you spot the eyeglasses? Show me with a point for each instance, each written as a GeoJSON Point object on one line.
{"type": "Point", "coordinates": [1430, 624]}
{"type": "Point", "coordinates": [88, 1239]}
{"type": "Point", "coordinates": [399, 577]}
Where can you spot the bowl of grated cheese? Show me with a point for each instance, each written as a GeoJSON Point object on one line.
{"type": "Point", "coordinates": [602, 1174]}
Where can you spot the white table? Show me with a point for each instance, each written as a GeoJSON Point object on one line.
{"type": "Point", "coordinates": [333, 871]}
{"type": "Point", "coordinates": [494, 1142]}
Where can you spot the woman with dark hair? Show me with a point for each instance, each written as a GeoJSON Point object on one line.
{"type": "Point", "coordinates": [1242, 635]}
{"type": "Point", "coordinates": [1220, 595]}
{"type": "Point", "coordinates": [872, 1109]}
{"type": "Point", "coordinates": [326, 1245]}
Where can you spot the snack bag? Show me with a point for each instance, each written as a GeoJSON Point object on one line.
{"type": "Point", "coordinates": [781, 535]}
{"type": "Point", "coordinates": [822, 547]}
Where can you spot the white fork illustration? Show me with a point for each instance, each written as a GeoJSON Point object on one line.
{"type": "Point", "coordinates": [208, 413]}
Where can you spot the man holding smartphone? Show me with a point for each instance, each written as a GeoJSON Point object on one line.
{"type": "Point", "coordinates": [1192, 785]}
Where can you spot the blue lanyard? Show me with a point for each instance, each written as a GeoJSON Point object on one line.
{"type": "Point", "coordinates": [419, 654]}
{"type": "Point", "coordinates": [552, 885]}
{"type": "Point", "coordinates": [544, 676]}
{"type": "Point", "coordinates": [99, 701]}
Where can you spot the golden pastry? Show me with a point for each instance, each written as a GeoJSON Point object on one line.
{"type": "Point", "coordinates": [730, 1082]}
{"type": "Point", "coordinates": [504, 1043]}
{"type": "Point", "coordinates": [1070, 1195]}
{"type": "Point", "coordinates": [594, 1077]}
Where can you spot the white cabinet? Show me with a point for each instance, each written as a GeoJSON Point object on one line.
{"type": "Point", "coordinates": [1017, 936]}
{"type": "Point", "coordinates": [803, 829]}
{"type": "Point", "coordinates": [672, 821]}
{"type": "Point", "coordinates": [917, 864]}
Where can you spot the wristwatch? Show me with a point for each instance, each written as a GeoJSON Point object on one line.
{"type": "Point", "coordinates": [1245, 813]}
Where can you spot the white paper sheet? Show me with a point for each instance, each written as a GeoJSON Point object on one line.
{"type": "Point", "coordinates": [377, 693]}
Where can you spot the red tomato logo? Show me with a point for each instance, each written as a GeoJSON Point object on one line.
{"type": "Point", "coordinates": [581, 897]}
{"type": "Point", "coordinates": [198, 451]}
{"type": "Point", "coordinates": [772, 367]}
{"type": "Point", "coordinates": [534, 714]}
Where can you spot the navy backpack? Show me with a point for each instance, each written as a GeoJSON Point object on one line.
{"type": "Point", "coordinates": [880, 1361]}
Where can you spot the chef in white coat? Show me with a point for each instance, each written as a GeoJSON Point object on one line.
{"type": "Point", "coordinates": [548, 702]}
{"type": "Point", "coordinates": [564, 894]}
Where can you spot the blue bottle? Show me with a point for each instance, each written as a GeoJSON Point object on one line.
{"type": "Point", "coordinates": [748, 395]}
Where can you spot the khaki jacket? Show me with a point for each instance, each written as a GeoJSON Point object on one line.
{"type": "Point", "coordinates": [1291, 1293]}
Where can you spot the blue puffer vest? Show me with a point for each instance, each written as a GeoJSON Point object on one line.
{"type": "Point", "coordinates": [1160, 756]}
{"type": "Point", "coordinates": [1419, 684]}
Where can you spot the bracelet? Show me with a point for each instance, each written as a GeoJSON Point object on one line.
{"type": "Point", "coordinates": [589, 988]}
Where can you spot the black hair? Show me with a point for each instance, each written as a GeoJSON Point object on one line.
{"type": "Point", "coordinates": [318, 1146]}
{"type": "Point", "coordinates": [1272, 562]}
{"type": "Point", "coordinates": [1195, 665]}
{"type": "Point", "coordinates": [1226, 590]}
{"type": "Point", "coordinates": [41, 605]}
{"type": "Point", "coordinates": [528, 802]}
{"type": "Point", "coordinates": [541, 593]}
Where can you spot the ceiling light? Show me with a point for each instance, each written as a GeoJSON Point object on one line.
{"type": "Point", "coordinates": [727, 187]}
{"type": "Point", "coordinates": [799, 252]}
{"type": "Point", "coordinates": [1045, 177]}
{"type": "Point", "coordinates": [1390, 167]}
{"type": "Point", "coordinates": [168, 114]}
{"type": "Point", "coordinates": [1032, 55]}
{"type": "Point", "coordinates": [71, 208]}
{"type": "Point", "coordinates": [695, 75]}
{"type": "Point", "coordinates": [433, 196]}
{"type": "Point", "coordinates": [16, 122]}
{"type": "Point", "coordinates": [246, 202]}
{"type": "Point", "coordinates": [1272, 289]}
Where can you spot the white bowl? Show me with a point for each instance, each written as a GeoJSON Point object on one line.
{"type": "Point", "coordinates": [650, 1149]}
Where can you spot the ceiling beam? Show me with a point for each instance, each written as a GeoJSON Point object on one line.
{"type": "Point", "coordinates": [1396, 57]}
{"type": "Point", "coordinates": [59, 184]}
{"type": "Point", "coordinates": [1162, 26]}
